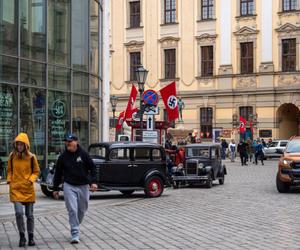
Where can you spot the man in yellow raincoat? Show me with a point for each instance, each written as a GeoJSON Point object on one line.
{"type": "Point", "coordinates": [22, 172]}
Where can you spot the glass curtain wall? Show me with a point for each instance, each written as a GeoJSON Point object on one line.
{"type": "Point", "coordinates": [50, 73]}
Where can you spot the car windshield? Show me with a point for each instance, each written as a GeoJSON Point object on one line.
{"type": "Point", "coordinates": [293, 147]}
{"type": "Point", "coordinates": [97, 152]}
{"type": "Point", "coordinates": [273, 144]}
{"type": "Point", "coordinates": [197, 152]}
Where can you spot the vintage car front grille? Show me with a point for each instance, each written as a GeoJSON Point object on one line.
{"type": "Point", "coordinates": [98, 172]}
{"type": "Point", "coordinates": [191, 167]}
{"type": "Point", "coordinates": [295, 164]}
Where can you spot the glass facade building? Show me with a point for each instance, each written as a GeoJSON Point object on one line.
{"type": "Point", "coordinates": [50, 73]}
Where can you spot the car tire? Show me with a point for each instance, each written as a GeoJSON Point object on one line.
{"type": "Point", "coordinates": [222, 179]}
{"type": "Point", "coordinates": [154, 187]}
{"type": "Point", "coordinates": [208, 183]}
{"type": "Point", "coordinates": [282, 187]}
{"type": "Point", "coordinates": [127, 192]}
{"type": "Point", "coordinates": [46, 191]}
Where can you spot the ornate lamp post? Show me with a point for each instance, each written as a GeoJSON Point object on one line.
{"type": "Point", "coordinates": [113, 102]}
{"type": "Point", "coordinates": [141, 76]}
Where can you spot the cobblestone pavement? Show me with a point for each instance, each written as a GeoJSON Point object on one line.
{"type": "Point", "coordinates": [246, 212]}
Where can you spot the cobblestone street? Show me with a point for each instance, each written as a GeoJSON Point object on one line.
{"type": "Point", "coordinates": [246, 212]}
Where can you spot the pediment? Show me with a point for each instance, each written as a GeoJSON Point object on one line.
{"type": "Point", "coordinates": [206, 36]}
{"type": "Point", "coordinates": [288, 27]}
{"type": "Point", "coordinates": [245, 31]}
{"type": "Point", "coordinates": [169, 39]}
{"type": "Point", "coordinates": [134, 43]}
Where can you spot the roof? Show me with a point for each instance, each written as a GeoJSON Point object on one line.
{"type": "Point", "coordinates": [208, 144]}
{"type": "Point", "coordinates": [126, 144]}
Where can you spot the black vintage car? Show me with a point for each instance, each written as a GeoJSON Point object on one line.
{"type": "Point", "coordinates": [126, 167]}
{"type": "Point", "coordinates": [202, 165]}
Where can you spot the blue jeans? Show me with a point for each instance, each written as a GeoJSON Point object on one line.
{"type": "Point", "coordinates": [19, 211]}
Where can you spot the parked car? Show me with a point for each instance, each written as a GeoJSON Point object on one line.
{"type": "Point", "coordinates": [275, 148]}
{"type": "Point", "coordinates": [289, 166]}
{"type": "Point", "coordinates": [126, 167]}
{"type": "Point", "coordinates": [203, 165]}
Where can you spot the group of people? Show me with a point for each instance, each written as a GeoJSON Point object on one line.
{"type": "Point", "coordinates": [75, 169]}
{"type": "Point", "coordinates": [249, 151]}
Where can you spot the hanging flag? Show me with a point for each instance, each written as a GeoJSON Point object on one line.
{"type": "Point", "coordinates": [243, 124]}
{"type": "Point", "coordinates": [134, 114]}
{"type": "Point", "coordinates": [120, 121]}
{"type": "Point", "coordinates": [169, 97]}
{"type": "Point", "coordinates": [130, 104]}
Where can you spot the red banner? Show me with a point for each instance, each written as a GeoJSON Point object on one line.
{"type": "Point", "coordinates": [169, 97]}
{"type": "Point", "coordinates": [120, 120]}
{"type": "Point", "coordinates": [130, 104]}
{"type": "Point", "coordinates": [243, 124]}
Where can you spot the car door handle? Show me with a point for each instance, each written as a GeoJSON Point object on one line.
{"type": "Point", "coordinates": [132, 166]}
{"type": "Point", "coordinates": [135, 166]}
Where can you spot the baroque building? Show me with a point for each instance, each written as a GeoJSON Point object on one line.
{"type": "Point", "coordinates": [229, 59]}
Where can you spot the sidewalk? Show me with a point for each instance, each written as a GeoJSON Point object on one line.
{"type": "Point", "coordinates": [4, 189]}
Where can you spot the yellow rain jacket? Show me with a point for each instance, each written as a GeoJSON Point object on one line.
{"type": "Point", "coordinates": [21, 175]}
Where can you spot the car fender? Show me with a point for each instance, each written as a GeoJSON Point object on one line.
{"type": "Point", "coordinates": [155, 172]}
{"type": "Point", "coordinates": [223, 169]}
{"type": "Point", "coordinates": [209, 169]}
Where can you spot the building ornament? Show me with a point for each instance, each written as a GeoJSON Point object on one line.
{"type": "Point", "coordinates": [288, 29]}
{"type": "Point", "coordinates": [206, 39]}
{"type": "Point", "coordinates": [246, 34]}
{"type": "Point", "coordinates": [246, 82]}
{"type": "Point", "coordinates": [169, 41]}
{"type": "Point", "coordinates": [134, 45]}
{"type": "Point", "coordinates": [288, 80]}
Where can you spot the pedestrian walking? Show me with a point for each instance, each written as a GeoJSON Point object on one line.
{"type": "Point", "coordinates": [224, 146]}
{"type": "Point", "coordinates": [259, 152]}
{"type": "Point", "coordinates": [232, 149]}
{"type": "Point", "coordinates": [22, 172]}
{"type": "Point", "coordinates": [242, 149]}
{"type": "Point", "coordinates": [250, 151]}
{"type": "Point", "coordinates": [78, 171]}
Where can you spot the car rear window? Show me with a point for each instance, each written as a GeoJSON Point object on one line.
{"type": "Point", "coordinates": [142, 153]}
{"type": "Point", "coordinates": [156, 154]}
{"type": "Point", "coordinates": [97, 152]}
{"type": "Point", "coordinates": [293, 147]}
{"type": "Point", "coordinates": [283, 143]}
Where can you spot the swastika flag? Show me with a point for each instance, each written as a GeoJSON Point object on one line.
{"type": "Point", "coordinates": [130, 104]}
{"type": "Point", "coordinates": [169, 96]}
{"type": "Point", "coordinates": [243, 123]}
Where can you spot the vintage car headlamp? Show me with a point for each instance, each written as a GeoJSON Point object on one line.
{"type": "Point", "coordinates": [200, 165]}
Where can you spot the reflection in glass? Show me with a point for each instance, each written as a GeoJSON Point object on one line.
{"type": "Point", "coordinates": [8, 118]}
{"type": "Point", "coordinates": [58, 123]}
{"type": "Point", "coordinates": [94, 33]}
{"type": "Point", "coordinates": [80, 82]}
{"type": "Point", "coordinates": [59, 31]}
{"type": "Point", "coordinates": [8, 69]}
{"type": "Point", "coordinates": [80, 123]}
{"type": "Point", "coordinates": [94, 86]}
{"type": "Point", "coordinates": [9, 27]}
{"type": "Point", "coordinates": [33, 29]}
{"type": "Point", "coordinates": [59, 78]}
{"type": "Point", "coordinates": [80, 34]}
{"type": "Point", "coordinates": [33, 73]}
{"type": "Point", "coordinates": [33, 120]}
{"type": "Point", "coordinates": [94, 120]}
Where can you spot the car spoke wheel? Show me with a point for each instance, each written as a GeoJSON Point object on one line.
{"type": "Point", "coordinates": [154, 187]}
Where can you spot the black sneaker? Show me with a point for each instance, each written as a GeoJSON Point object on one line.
{"type": "Point", "coordinates": [31, 240]}
{"type": "Point", "coordinates": [22, 241]}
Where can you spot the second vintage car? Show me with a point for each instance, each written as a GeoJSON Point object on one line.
{"type": "Point", "coordinates": [203, 165]}
{"type": "Point", "coordinates": [126, 167]}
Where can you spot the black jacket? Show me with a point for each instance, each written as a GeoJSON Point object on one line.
{"type": "Point", "coordinates": [75, 168]}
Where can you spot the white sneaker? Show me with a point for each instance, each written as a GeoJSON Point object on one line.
{"type": "Point", "coordinates": [75, 240]}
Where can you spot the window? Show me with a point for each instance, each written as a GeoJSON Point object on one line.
{"type": "Point", "coordinates": [288, 5]}
{"type": "Point", "coordinates": [207, 9]}
{"type": "Point", "coordinates": [289, 55]}
{"type": "Point", "coordinates": [119, 154]}
{"type": "Point", "coordinates": [170, 63]}
{"type": "Point", "coordinates": [170, 11]}
{"type": "Point", "coordinates": [207, 60]}
{"type": "Point", "coordinates": [247, 58]}
{"type": "Point", "coordinates": [247, 7]}
{"type": "Point", "coordinates": [142, 154]}
{"type": "Point", "coordinates": [135, 14]}
{"type": "Point", "coordinates": [135, 61]}
{"type": "Point", "coordinates": [156, 155]}
{"type": "Point", "coordinates": [206, 122]}
{"type": "Point", "coordinates": [246, 112]}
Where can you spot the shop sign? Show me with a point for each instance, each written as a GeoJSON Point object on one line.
{"type": "Point", "coordinates": [6, 115]}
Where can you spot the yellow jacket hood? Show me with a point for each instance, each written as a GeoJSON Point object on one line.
{"type": "Point", "coordinates": [22, 137]}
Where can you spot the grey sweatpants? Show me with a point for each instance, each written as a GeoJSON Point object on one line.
{"type": "Point", "coordinates": [19, 211]}
{"type": "Point", "coordinates": [76, 200]}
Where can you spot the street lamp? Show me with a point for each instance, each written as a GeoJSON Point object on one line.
{"type": "Point", "coordinates": [113, 102]}
{"type": "Point", "coordinates": [141, 76]}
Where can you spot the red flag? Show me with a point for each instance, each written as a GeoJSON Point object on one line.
{"type": "Point", "coordinates": [130, 104]}
{"type": "Point", "coordinates": [120, 120]}
{"type": "Point", "coordinates": [169, 97]}
{"type": "Point", "coordinates": [243, 124]}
